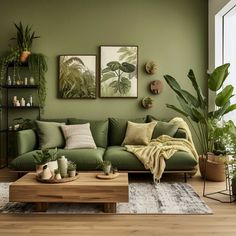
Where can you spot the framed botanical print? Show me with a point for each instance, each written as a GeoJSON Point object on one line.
{"type": "Point", "coordinates": [77, 76]}
{"type": "Point", "coordinates": [118, 72]}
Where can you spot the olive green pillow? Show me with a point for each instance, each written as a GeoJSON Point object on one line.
{"type": "Point", "coordinates": [138, 134]}
{"type": "Point", "coordinates": [50, 134]}
{"type": "Point", "coordinates": [99, 129]}
{"type": "Point", "coordinates": [117, 129]}
{"type": "Point", "coordinates": [164, 128]}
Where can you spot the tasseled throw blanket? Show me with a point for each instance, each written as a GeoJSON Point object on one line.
{"type": "Point", "coordinates": [153, 155]}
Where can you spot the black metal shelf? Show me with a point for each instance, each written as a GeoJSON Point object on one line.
{"type": "Point", "coordinates": [20, 86]}
{"type": "Point", "coordinates": [20, 107]}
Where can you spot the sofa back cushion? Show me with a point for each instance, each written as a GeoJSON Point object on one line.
{"type": "Point", "coordinates": [50, 134]}
{"type": "Point", "coordinates": [99, 129]}
{"type": "Point", "coordinates": [117, 129]}
{"type": "Point", "coordinates": [78, 136]}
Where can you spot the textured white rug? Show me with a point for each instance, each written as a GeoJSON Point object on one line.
{"type": "Point", "coordinates": [144, 198]}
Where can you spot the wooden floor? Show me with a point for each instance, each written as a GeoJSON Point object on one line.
{"type": "Point", "coordinates": [222, 222]}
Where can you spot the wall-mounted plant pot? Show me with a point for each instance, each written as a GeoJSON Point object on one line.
{"type": "Point", "coordinates": [24, 56]}
{"type": "Point", "coordinates": [156, 87]}
{"type": "Point", "coordinates": [151, 67]}
{"type": "Point", "coordinates": [147, 102]}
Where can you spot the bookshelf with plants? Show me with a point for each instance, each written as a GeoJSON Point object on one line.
{"type": "Point", "coordinates": [22, 89]}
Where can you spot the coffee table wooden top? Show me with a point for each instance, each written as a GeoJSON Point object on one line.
{"type": "Point", "coordinates": [87, 188]}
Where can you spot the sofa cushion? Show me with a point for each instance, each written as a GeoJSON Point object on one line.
{"type": "Point", "coordinates": [99, 129]}
{"type": "Point", "coordinates": [123, 160]}
{"type": "Point", "coordinates": [164, 128]}
{"type": "Point", "coordinates": [50, 134]}
{"type": "Point", "coordinates": [117, 129]}
{"type": "Point", "coordinates": [138, 134]}
{"type": "Point", "coordinates": [85, 159]}
{"type": "Point", "coordinates": [78, 136]}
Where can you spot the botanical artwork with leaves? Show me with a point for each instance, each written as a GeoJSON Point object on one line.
{"type": "Point", "coordinates": [77, 76]}
{"type": "Point", "coordinates": [118, 72]}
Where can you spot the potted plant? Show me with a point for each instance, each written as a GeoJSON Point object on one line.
{"type": "Point", "coordinates": [52, 163]}
{"type": "Point", "coordinates": [195, 108]}
{"type": "Point", "coordinates": [105, 166]}
{"type": "Point", "coordinates": [147, 102]}
{"type": "Point", "coordinates": [24, 38]}
{"type": "Point", "coordinates": [71, 168]}
{"type": "Point", "coordinates": [42, 158]}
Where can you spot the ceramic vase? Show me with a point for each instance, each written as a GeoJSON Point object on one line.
{"type": "Point", "coordinates": [62, 166]}
{"type": "Point", "coordinates": [39, 169]}
{"type": "Point", "coordinates": [107, 169]}
{"type": "Point", "coordinates": [72, 173]}
{"type": "Point", "coordinates": [24, 56]}
{"type": "Point", "coordinates": [46, 174]}
{"type": "Point", "coordinates": [58, 176]}
{"type": "Point", "coordinates": [52, 165]}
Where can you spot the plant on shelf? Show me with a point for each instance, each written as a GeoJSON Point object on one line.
{"type": "Point", "coordinates": [105, 166]}
{"type": "Point", "coordinates": [23, 123]}
{"type": "Point", "coordinates": [36, 61]}
{"type": "Point", "coordinates": [195, 108]}
{"type": "Point", "coordinates": [147, 102]}
{"type": "Point", "coordinates": [24, 38]}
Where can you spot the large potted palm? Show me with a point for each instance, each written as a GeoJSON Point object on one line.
{"type": "Point", "coordinates": [195, 108]}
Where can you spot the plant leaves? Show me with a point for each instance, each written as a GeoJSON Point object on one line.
{"type": "Point", "coordinates": [230, 108]}
{"type": "Point", "coordinates": [194, 101]}
{"type": "Point", "coordinates": [175, 86]}
{"type": "Point", "coordinates": [224, 96]}
{"type": "Point", "coordinates": [217, 77]}
{"type": "Point", "coordinates": [108, 76]}
{"type": "Point", "coordinates": [201, 98]}
{"type": "Point", "coordinates": [177, 109]}
{"type": "Point", "coordinates": [113, 65]}
{"type": "Point", "coordinates": [127, 67]}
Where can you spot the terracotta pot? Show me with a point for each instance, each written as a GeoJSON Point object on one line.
{"type": "Point", "coordinates": [24, 56]}
{"type": "Point", "coordinates": [215, 170]}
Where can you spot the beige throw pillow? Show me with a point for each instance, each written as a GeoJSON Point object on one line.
{"type": "Point", "coordinates": [138, 134]}
{"type": "Point", "coordinates": [78, 136]}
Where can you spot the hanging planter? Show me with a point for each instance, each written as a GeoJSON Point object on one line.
{"type": "Point", "coordinates": [147, 102]}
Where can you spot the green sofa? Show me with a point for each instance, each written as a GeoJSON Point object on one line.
{"type": "Point", "coordinates": [108, 136]}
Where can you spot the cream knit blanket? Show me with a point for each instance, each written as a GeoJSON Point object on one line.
{"type": "Point", "coordinates": [153, 155]}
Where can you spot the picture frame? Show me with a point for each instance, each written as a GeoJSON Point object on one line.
{"type": "Point", "coordinates": [118, 71]}
{"type": "Point", "coordinates": [77, 76]}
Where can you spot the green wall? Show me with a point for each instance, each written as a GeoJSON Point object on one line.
{"type": "Point", "coordinates": [171, 32]}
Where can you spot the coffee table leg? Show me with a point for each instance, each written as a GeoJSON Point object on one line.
{"type": "Point", "coordinates": [110, 207]}
{"type": "Point", "coordinates": [41, 206]}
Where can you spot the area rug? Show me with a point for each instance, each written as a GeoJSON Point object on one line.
{"type": "Point", "coordinates": [144, 198]}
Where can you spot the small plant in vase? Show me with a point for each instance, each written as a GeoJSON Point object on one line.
{"type": "Point", "coordinates": [106, 167]}
{"type": "Point", "coordinates": [71, 169]}
{"type": "Point", "coordinates": [44, 157]}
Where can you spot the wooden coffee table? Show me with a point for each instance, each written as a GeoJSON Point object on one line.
{"type": "Point", "coordinates": [87, 188]}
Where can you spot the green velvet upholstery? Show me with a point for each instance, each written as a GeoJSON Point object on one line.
{"type": "Point", "coordinates": [117, 129]}
{"type": "Point", "coordinates": [124, 160]}
{"type": "Point", "coordinates": [99, 129]}
{"type": "Point", "coordinates": [50, 134]}
{"type": "Point", "coordinates": [26, 141]}
{"type": "Point", "coordinates": [181, 161]}
{"type": "Point", "coordinates": [121, 159]}
{"type": "Point", "coordinates": [164, 128]}
{"type": "Point", "coordinates": [59, 120]}
{"type": "Point", "coordinates": [86, 159]}
{"type": "Point", "coordinates": [180, 133]}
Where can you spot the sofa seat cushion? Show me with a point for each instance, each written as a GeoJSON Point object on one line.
{"type": "Point", "coordinates": [85, 159]}
{"type": "Point", "coordinates": [123, 160]}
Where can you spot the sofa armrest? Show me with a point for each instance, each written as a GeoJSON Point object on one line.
{"type": "Point", "coordinates": [26, 141]}
{"type": "Point", "coordinates": [180, 133]}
